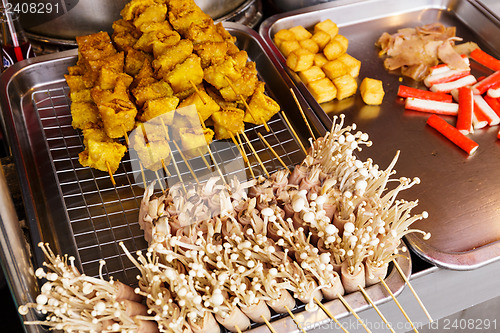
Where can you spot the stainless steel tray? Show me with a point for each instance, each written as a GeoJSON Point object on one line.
{"type": "Point", "coordinates": [78, 210]}
{"type": "Point", "coordinates": [460, 193]}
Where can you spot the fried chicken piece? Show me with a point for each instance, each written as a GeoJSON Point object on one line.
{"type": "Point", "coordinates": [172, 56]}
{"type": "Point", "coordinates": [205, 105]}
{"type": "Point", "coordinates": [194, 141]}
{"type": "Point", "coordinates": [227, 121]}
{"type": "Point", "coordinates": [211, 52]}
{"type": "Point", "coordinates": [161, 38]}
{"type": "Point", "coordinates": [118, 117]}
{"type": "Point", "coordinates": [218, 74]}
{"type": "Point", "coordinates": [84, 115]}
{"type": "Point", "coordinates": [144, 77]}
{"type": "Point", "coordinates": [134, 60]}
{"type": "Point", "coordinates": [262, 106]}
{"type": "Point", "coordinates": [81, 96]}
{"type": "Point", "coordinates": [120, 92]}
{"type": "Point", "coordinates": [113, 63]}
{"type": "Point", "coordinates": [154, 90]}
{"type": "Point", "coordinates": [152, 14]}
{"type": "Point", "coordinates": [185, 74]}
{"type": "Point", "coordinates": [95, 133]}
{"type": "Point", "coordinates": [135, 8]}
{"type": "Point", "coordinates": [75, 82]}
{"type": "Point", "coordinates": [150, 143]}
{"type": "Point", "coordinates": [205, 32]}
{"type": "Point", "coordinates": [244, 87]}
{"type": "Point", "coordinates": [95, 46]}
{"type": "Point", "coordinates": [109, 79]}
{"type": "Point", "coordinates": [183, 13]}
{"type": "Point", "coordinates": [104, 156]}
{"type": "Point", "coordinates": [124, 35]}
{"type": "Point", "coordinates": [156, 107]}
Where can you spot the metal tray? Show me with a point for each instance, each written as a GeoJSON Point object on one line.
{"type": "Point", "coordinates": [459, 192]}
{"type": "Point", "coordinates": [78, 210]}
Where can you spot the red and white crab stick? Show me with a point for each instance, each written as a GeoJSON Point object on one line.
{"type": "Point", "coordinates": [452, 134]}
{"type": "Point", "coordinates": [485, 59]}
{"type": "Point", "coordinates": [405, 92]}
{"type": "Point", "coordinates": [442, 68]}
{"type": "Point", "coordinates": [480, 106]}
{"type": "Point", "coordinates": [423, 105]}
{"type": "Point", "coordinates": [490, 81]}
{"type": "Point", "coordinates": [465, 110]}
{"type": "Point", "coordinates": [447, 76]}
{"type": "Point", "coordinates": [494, 103]}
{"type": "Point", "coordinates": [449, 86]}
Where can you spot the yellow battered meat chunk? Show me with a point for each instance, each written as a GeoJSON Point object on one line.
{"type": "Point", "coordinates": [95, 46]}
{"type": "Point", "coordinates": [95, 133]}
{"type": "Point", "coordinates": [156, 107]}
{"type": "Point", "coordinates": [243, 87]}
{"type": "Point", "coordinates": [104, 156]}
{"type": "Point", "coordinates": [211, 52]}
{"type": "Point", "coordinates": [151, 91]}
{"type": "Point", "coordinates": [134, 8]}
{"type": "Point", "coordinates": [113, 63]}
{"type": "Point", "coordinates": [205, 105]}
{"type": "Point", "coordinates": [184, 13]}
{"type": "Point", "coordinates": [118, 117]}
{"type": "Point", "coordinates": [218, 74]}
{"type": "Point", "coordinates": [108, 79]}
{"type": "Point", "coordinates": [172, 56]}
{"type": "Point", "coordinates": [120, 92]}
{"type": "Point", "coordinates": [152, 14]}
{"type": "Point", "coordinates": [185, 74]}
{"type": "Point", "coordinates": [150, 143]}
{"type": "Point", "coordinates": [84, 115]}
{"type": "Point", "coordinates": [149, 39]}
{"type": "Point", "coordinates": [83, 95]}
{"type": "Point", "coordinates": [203, 33]}
{"type": "Point", "coordinates": [194, 141]}
{"type": "Point", "coordinates": [262, 107]}
{"type": "Point", "coordinates": [144, 77]}
{"type": "Point", "coordinates": [228, 121]}
{"type": "Point", "coordinates": [75, 82]}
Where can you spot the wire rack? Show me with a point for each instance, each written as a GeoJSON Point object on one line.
{"type": "Point", "coordinates": [102, 215]}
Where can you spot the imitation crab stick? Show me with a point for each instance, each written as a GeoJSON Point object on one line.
{"type": "Point", "coordinates": [452, 134]}
{"type": "Point", "coordinates": [404, 91]}
{"type": "Point", "coordinates": [485, 59]}
{"type": "Point", "coordinates": [479, 120]}
{"type": "Point", "coordinates": [465, 110]}
{"type": "Point", "coordinates": [447, 76]}
{"type": "Point", "coordinates": [494, 92]}
{"type": "Point", "coordinates": [480, 106]}
{"type": "Point", "coordinates": [449, 86]}
{"type": "Point", "coordinates": [442, 68]}
{"type": "Point", "coordinates": [423, 105]}
{"type": "Point", "coordinates": [482, 86]}
{"type": "Point", "coordinates": [494, 103]}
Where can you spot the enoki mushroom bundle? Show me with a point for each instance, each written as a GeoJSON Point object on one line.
{"type": "Point", "coordinates": [327, 228]}
{"type": "Point", "coordinates": [229, 253]}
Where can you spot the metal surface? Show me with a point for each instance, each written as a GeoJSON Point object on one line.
{"type": "Point", "coordinates": [80, 213]}
{"type": "Point", "coordinates": [459, 192]}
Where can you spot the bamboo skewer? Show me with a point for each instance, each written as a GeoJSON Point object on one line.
{"type": "Point", "coordinates": [303, 114]}
{"type": "Point", "coordinates": [268, 324]}
{"type": "Point", "coordinates": [398, 304]}
{"type": "Point", "coordinates": [165, 168]}
{"type": "Point", "coordinates": [245, 103]}
{"type": "Point", "coordinates": [186, 161]}
{"type": "Point", "coordinates": [294, 319]}
{"type": "Point", "coordinates": [143, 176]}
{"type": "Point", "coordinates": [255, 153]}
{"type": "Point", "coordinates": [244, 153]}
{"type": "Point", "coordinates": [198, 92]}
{"type": "Point", "coordinates": [110, 174]}
{"type": "Point", "coordinates": [368, 298]}
{"type": "Point", "coordinates": [216, 165]}
{"type": "Point", "coordinates": [237, 329]}
{"type": "Point", "coordinates": [204, 159]}
{"type": "Point", "coordinates": [351, 310]}
{"type": "Point", "coordinates": [329, 314]}
{"type": "Point", "coordinates": [407, 281]}
{"type": "Point", "coordinates": [293, 131]}
{"type": "Point", "coordinates": [273, 151]}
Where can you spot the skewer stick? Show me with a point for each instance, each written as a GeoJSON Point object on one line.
{"type": "Point", "coordinates": [329, 314]}
{"type": "Point", "coordinates": [198, 92]}
{"type": "Point", "coordinates": [303, 114]}
{"type": "Point", "coordinates": [244, 153]}
{"type": "Point", "coordinates": [407, 281]}
{"type": "Point", "coordinates": [268, 324]}
{"type": "Point", "coordinates": [110, 174]}
{"type": "Point", "coordinates": [368, 298]}
{"type": "Point", "coordinates": [255, 153]}
{"type": "Point", "coordinates": [351, 310]}
{"type": "Point", "coordinates": [165, 168]}
{"type": "Point", "coordinates": [293, 132]}
{"type": "Point", "coordinates": [143, 176]}
{"type": "Point", "coordinates": [204, 159]}
{"type": "Point", "coordinates": [216, 165]}
{"type": "Point", "coordinates": [397, 303]}
{"type": "Point", "coordinates": [246, 104]}
{"type": "Point", "coordinates": [239, 149]}
{"type": "Point", "coordinates": [273, 151]}
{"type": "Point", "coordinates": [294, 319]}
{"type": "Point", "coordinates": [186, 161]}
{"type": "Point", "coordinates": [237, 329]}
{"type": "Point", "coordinates": [159, 182]}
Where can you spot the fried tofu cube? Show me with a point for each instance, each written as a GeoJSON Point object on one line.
{"type": "Point", "coordinates": [205, 105]}
{"type": "Point", "coordinates": [282, 35]}
{"type": "Point", "coordinates": [186, 74]}
{"type": "Point", "coordinates": [117, 117]}
{"type": "Point", "coordinates": [342, 40]}
{"type": "Point", "coordinates": [309, 45]}
{"type": "Point", "coordinates": [104, 156]}
{"type": "Point", "coordinates": [311, 74]}
{"type": "Point", "coordinates": [244, 86]}
{"type": "Point", "coordinates": [152, 91]}
{"type": "Point", "coordinates": [218, 74]}
{"type": "Point", "coordinates": [288, 46]}
{"type": "Point", "coordinates": [321, 38]}
{"type": "Point", "coordinates": [227, 122]}
{"type": "Point", "coordinates": [323, 90]}
{"type": "Point", "coordinates": [108, 79]}
{"type": "Point", "coordinates": [300, 60]}
{"type": "Point", "coordinates": [334, 69]}
{"type": "Point", "coordinates": [319, 59]}
{"type": "Point", "coordinates": [353, 64]}
{"type": "Point", "coordinates": [262, 107]}
{"type": "Point", "coordinates": [300, 32]}
{"type": "Point", "coordinates": [84, 115]}
{"type": "Point", "coordinates": [174, 55]}
{"type": "Point", "coordinates": [333, 49]}
{"type": "Point", "coordinates": [372, 91]}
{"type": "Point", "coordinates": [120, 92]}
{"type": "Point", "coordinates": [155, 107]}
{"type": "Point", "coordinates": [346, 86]}
{"type": "Point", "coordinates": [327, 26]}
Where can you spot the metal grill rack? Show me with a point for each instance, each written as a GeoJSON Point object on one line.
{"type": "Point", "coordinates": [102, 215]}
